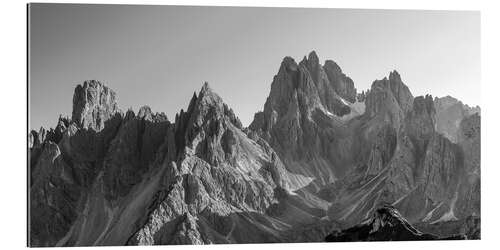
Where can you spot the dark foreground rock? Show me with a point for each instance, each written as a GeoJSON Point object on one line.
{"type": "Point", "coordinates": [386, 224]}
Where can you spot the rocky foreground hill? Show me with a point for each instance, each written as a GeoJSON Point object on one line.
{"type": "Point", "coordinates": [386, 224]}
{"type": "Point", "coordinates": [320, 158]}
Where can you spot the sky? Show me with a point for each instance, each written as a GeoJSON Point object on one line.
{"type": "Point", "coordinates": [160, 55]}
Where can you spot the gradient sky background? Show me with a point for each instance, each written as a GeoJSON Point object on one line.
{"type": "Point", "coordinates": [160, 55]}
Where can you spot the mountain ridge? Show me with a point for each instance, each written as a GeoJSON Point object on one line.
{"type": "Point", "coordinates": [318, 156]}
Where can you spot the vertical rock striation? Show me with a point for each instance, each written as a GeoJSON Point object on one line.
{"type": "Point", "coordinates": [304, 119]}
{"type": "Point", "coordinates": [93, 105]}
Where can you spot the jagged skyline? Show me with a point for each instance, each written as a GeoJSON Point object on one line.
{"type": "Point", "coordinates": [149, 49]}
{"type": "Point", "coordinates": [264, 172]}
{"type": "Point", "coordinates": [318, 162]}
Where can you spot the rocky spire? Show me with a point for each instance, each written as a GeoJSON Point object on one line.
{"type": "Point", "coordinates": [302, 100]}
{"type": "Point", "coordinates": [313, 57]}
{"type": "Point", "coordinates": [208, 103]}
{"type": "Point", "coordinates": [214, 99]}
{"type": "Point", "coordinates": [390, 99]}
{"type": "Point", "coordinates": [421, 121]}
{"type": "Point", "coordinates": [400, 91]}
{"type": "Point", "coordinates": [313, 66]}
{"type": "Point", "coordinates": [342, 84]}
{"type": "Point", "coordinates": [93, 105]}
{"type": "Point", "coordinates": [308, 86]}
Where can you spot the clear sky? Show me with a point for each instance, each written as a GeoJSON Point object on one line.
{"type": "Point", "coordinates": [160, 55]}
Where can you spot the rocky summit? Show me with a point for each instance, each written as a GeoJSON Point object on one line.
{"type": "Point", "coordinates": [320, 159]}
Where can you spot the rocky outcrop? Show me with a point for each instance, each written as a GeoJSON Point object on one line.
{"type": "Point", "coordinates": [93, 105]}
{"type": "Point", "coordinates": [331, 84]}
{"type": "Point", "coordinates": [449, 113]}
{"type": "Point", "coordinates": [342, 84]}
{"type": "Point", "coordinates": [389, 99]}
{"type": "Point", "coordinates": [386, 224]}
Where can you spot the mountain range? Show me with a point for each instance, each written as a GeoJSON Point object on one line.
{"type": "Point", "coordinates": [321, 161]}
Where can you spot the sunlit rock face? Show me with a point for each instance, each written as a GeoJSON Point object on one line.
{"type": "Point", "coordinates": [318, 158]}
{"type": "Point", "coordinates": [93, 105]}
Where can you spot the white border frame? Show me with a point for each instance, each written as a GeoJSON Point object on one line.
{"type": "Point", "coordinates": [14, 120]}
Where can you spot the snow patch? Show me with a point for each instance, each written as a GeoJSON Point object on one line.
{"type": "Point", "coordinates": [357, 109]}
{"type": "Point", "coordinates": [450, 215]}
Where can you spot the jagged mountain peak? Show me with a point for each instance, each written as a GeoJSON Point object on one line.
{"type": "Point", "coordinates": [130, 114]}
{"type": "Point", "coordinates": [205, 96]}
{"type": "Point", "coordinates": [421, 120]}
{"type": "Point", "coordinates": [93, 104]}
{"type": "Point", "coordinates": [205, 88]}
{"type": "Point", "coordinates": [208, 102]}
{"type": "Point", "coordinates": [394, 76]}
{"type": "Point", "coordinates": [288, 63]}
{"type": "Point", "coordinates": [206, 93]}
{"type": "Point", "coordinates": [93, 84]}
{"type": "Point", "coordinates": [389, 96]}
{"type": "Point", "coordinates": [305, 100]}
{"type": "Point", "coordinates": [313, 56]}
{"type": "Point", "coordinates": [332, 66]}
{"type": "Point", "coordinates": [311, 59]}
{"type": "Point", "coordinates": [144, 111]}
{"type": "Point", "coordinates": [205, 108]}
{"type": "Point", "coordinates": [394, 81]}
{"type": "Point", "coordinates": [424, 104]}
{"type": "Point", "coordinates": [313, 85]}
